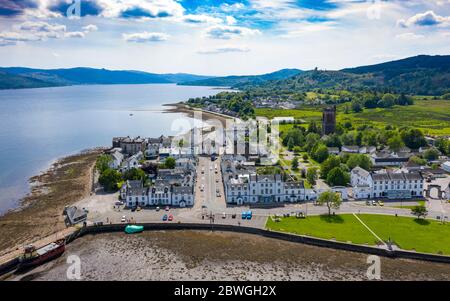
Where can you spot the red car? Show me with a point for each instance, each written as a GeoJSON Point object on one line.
{"type": "Point", "coordinates": [170, 218]}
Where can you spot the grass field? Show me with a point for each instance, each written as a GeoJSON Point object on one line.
{"type": "Point", "coordinates": [431, 116]}
{"type": "Point", "coordinates": [419, 203]}
{"type": "Point", "coordinates": [427, 236]}
{"type": "Point", "coordinates": [408, 233]}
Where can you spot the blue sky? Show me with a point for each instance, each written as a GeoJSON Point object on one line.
{"type": "Point", "coordinates": [219, 37]}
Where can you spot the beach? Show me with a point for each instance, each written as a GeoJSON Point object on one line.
{"type": "Point", "coordinates": [194, 255]}
{"type": "Point", "coordinates": [40, 213]}
{"type": "Point", "coordinates": [188, 111]}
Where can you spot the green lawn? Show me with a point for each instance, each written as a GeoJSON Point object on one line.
{"type": "Point", "coordinates": [344, 228]}
{"type": "Point", "coordinates": [408, 233]}
{"type": "Point", "coordinates": [427, 236]}
{"type": "Point", "coordinates": [419, 203]}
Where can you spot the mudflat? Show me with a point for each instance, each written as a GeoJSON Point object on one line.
{"type": "Point", "coordinates": [196, 255]}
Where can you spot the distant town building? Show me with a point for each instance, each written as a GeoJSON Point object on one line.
{"type": "Point", "coordinates": [329, 120]}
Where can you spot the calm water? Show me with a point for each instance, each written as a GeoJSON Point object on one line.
{"type": "Point", "coordinates": [38, 126]}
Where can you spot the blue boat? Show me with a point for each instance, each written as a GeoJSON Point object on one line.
{"type": "Point", "coordinates": [132, 229]}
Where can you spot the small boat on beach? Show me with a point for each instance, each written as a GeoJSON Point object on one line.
{"type": "Point", "coordinates": [132, 229]}
{"type": "Point", "coordinates": [33, 257]}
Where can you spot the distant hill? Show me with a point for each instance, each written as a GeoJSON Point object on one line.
{"type": "Point", "coordinates": [420, 75]}
{"type": "Point", "coordinates": [12, 81]}
{"type": "Point", "coordinates": [237, 81]}
{"type": "Point", "coordinates": [18, 77]}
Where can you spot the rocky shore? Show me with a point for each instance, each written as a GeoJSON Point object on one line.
{"type": "Point", "coordinates": [40, 213]}
{"type": "Point", "coordinates": [192, 255]}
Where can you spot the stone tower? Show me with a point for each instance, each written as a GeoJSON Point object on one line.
{"type": "Point", "coordinates": [329, 120]}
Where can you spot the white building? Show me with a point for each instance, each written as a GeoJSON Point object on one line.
{"type": "Point", "coordinates": [446, 166]}
{"type": "Point", "coordinates": [132, 162]}
{"type": "Point", "coordinates": [117, 159]}
{"type": "Point", "coordinates": [386, 184]}
{"type": "Point", "coordinates": [247, 188]}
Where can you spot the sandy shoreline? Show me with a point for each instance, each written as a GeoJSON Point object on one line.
{"type": "Point", "coordinates": [39, 213]}
{"type": "Point", "coordinates": [195, 255]}
{"type": "Point", "coordinates": [188, 111]}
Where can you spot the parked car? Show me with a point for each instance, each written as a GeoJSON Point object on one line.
{"type": "Point", "coordinates": [249, 215]}
{"type": "Point", "coordinates": [138, 208]}
{"type": "Point", "coordinates": [157, 208]}
{"type": "Point", "coordinates": [133, 209]}
{"type": "Point", "coordinates": [167, 208]}
{"type": "Point", "coordinates": [124, 219]}
{"type": "Point", "coordinates": [381, 203]}
{"type": "Point", "coordinates": [224, 215]}
{"type": "Point", "coordinates": [368, 203]}
{"type": "Point", "coordinates": [164, 218]}
{"type": "Point", "coordinates": [244, 214]}
{"type": "Point", "coordinates": [374, 203]}
{"type": "Point", "coordinates": [170, 218]}
{"type": "Point", "coordinates": [233, 215]}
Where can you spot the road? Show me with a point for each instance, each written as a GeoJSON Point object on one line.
{"type": "Point", "coordinates": [211, 181]}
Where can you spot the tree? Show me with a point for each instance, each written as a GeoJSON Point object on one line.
{"type": "Point", "coordinates": [103, 162]}
{"type": "Point", "coordinates": [311, 141]}
{"type": "Point", "coordinates": [360, 160]}
{"type": "Point", "coordinates": [169, 163]}
{"type": "Point", "coordinates": [320, 153]}
{"type": "Point", "coordinates": [305, 157]}
{"type": "Point", "coordinates": [419, 211]}
{"type": "Point", "coordinates": [413, 138]}
{"type": "Point", "coordinates": [134, 174]}
{"type": "Point", "coordinates": [328, 165]}
{"type": "Point", "coordinates": [446, 96]}
{"type": "Point", "coordinates": [297, 149]}
{"type": "Point", "coordinates": [431, 154]}
{"type": "Point", "coordinates": [295, 163]}
{"type": "Point", "coordinates": [395, 143]}
{"type": "Point", "coordinates": [313, 128]}
{"type": "Point", "coordinates": [404, 100]}
{"type": "Point", "coordinates": [356, 106]}
{"type": "Point", "coordinates": [387, 101]}
{"type": "Point", "coordinates": [338, 177]}
{"type": "Point", "coordinates": [331, 199]}
{"type": "Point", "coordinates": [109, 179]}
{"type": "Point", "coordinates": [311, 175]}
{"type": "Point", "coordinates": [290, 144]}
{"type": "Point", "coordinates": [417, 160]}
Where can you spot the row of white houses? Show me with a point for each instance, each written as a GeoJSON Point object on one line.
{"type": "Point", "coordinates": [163, 194]}
{"type": "Point", "coordinates": [386, 184]}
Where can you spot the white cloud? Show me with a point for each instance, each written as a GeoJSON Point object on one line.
{"type": "Point", "coordinates": [231, 20]}
{"type": "Point", "coordinates": [298, 29]}
{"type": "Point", "coordinates": [197, 19]}
{"type": "Point", "coordinates": [428, 18]}
{"type": "Point", "coordinates": [232, 7]}
{"type": "Point", "coordinates": [226, 32]}
{"type": "Point", "coordinates": [409, 36]}
{"type": "Point", "coordinates": [141, 8]}
{"type": "Point", "coordinates": [42, 27]}
{"type": "Point", "coordinates": [224, 49]}
{"type": "Point", "coordinates": [74, 34]}
{"type": "Point", "coordinates": [90, 28]}
{"type": "Point", "coordinates": [144, 37]}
